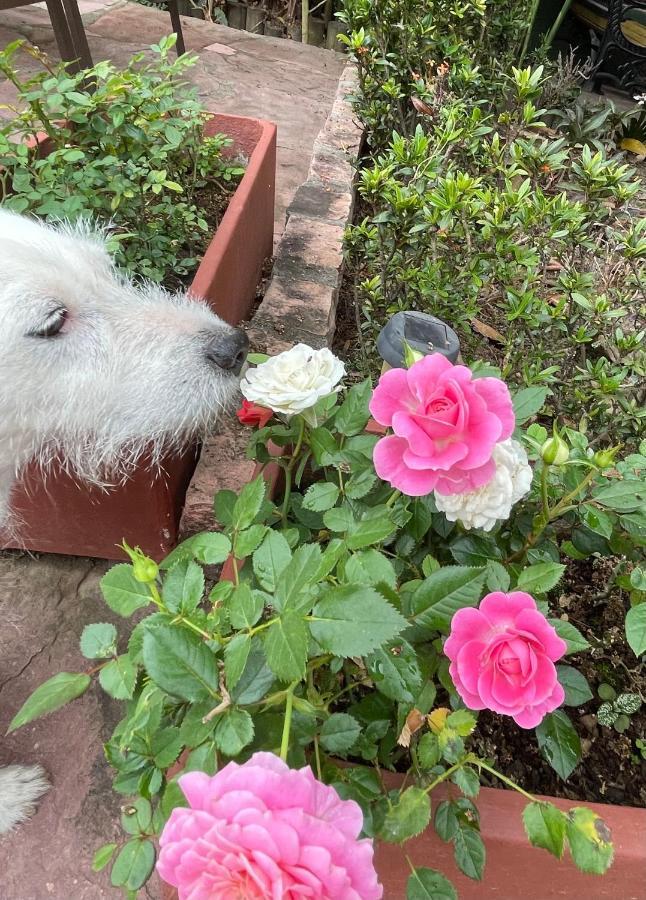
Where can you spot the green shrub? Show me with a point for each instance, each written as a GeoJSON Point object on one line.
{"type": "Point", "coordinates": [127, 148]}
{"type": "Point", "coordinates": [479, 213]}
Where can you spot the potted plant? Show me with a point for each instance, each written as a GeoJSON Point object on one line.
{"type": "Point", "coordinates": [325, 694]}
{"type": "Point", "coordinates": [145, 111]}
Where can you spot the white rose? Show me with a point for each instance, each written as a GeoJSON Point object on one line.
{"type": "Point", "coordinates": [293, 381]}
{"type": "Point", "coordinates": [493, 502]}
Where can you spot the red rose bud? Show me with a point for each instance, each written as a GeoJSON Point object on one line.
{"type": "Point", "coordinates": [253, 415]}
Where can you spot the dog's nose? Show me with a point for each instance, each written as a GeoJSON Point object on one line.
{"type": "Point", "coordinates": [228, 350]}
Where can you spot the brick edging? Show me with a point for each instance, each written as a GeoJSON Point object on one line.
{"type": "Point", "coordinates": [300, 302]}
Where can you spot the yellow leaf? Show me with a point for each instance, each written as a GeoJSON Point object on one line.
{"type": "Point", "coordinates": [437, 719]}
{"type": "Point", "coordinates": [633, 146]}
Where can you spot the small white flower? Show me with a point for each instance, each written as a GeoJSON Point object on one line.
{"type": "Point", "coordinates": [293, 381]}
{"type": "Point", "coordinates": [493, 502]}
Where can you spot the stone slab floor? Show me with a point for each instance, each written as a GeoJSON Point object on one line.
{"type": "Point", "coordinates": [46, 601]}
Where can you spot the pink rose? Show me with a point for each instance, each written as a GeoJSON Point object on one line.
{"type": "Point", "coordinates": [446, 424]}
{"type": "Point", "coordinates": [262, 830]}
{"type": "Point", "coordinates": [502, 658]}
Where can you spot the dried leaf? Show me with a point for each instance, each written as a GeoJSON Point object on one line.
{"type": "Point", "coordinates": [421, 106]}
{"type": "Point", "coordinates": [487, 331]}
{"type": "Point", "coordinates": [414, 721]}
{"type": "Point", "coordinates": [633, 146]}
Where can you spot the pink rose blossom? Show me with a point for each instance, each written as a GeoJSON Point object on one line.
{"type": "Point", "coordinates": [446, 424]}
{"type": "Point", "coordinates": [263, 831]}
{"type": "Point", "coordinates": [502, 658]}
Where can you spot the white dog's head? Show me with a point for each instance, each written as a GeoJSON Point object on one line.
{"type": "Point", "coordinates": [93, 368]}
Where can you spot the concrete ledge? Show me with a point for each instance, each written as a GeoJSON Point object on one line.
{"type": "Point", "coordinates": [300, 303]}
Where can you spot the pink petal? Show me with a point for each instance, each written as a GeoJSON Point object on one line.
{"type": "Point", "coordinates": [388, 458]}
{"type": "Point", "coordinates": [423, 376]}
{"type": "Point", "coordinates": [463, 481]}
{"type": "Point", "coordinates": [391, 395]}
{"type": "Point", "coordinates": [502, 609]}
{"type": "Point", "coordinates": [496, 395]}
{"type": "Point", "coordinates": [536, 624]}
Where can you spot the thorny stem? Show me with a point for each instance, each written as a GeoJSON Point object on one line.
{"type": "Point", "coordinates": [504, 779]}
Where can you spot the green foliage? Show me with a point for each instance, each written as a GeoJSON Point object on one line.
{"type": "Point", "coordinates": [126, 147]}
{"type": "Point", "coordinates": [476, 212]}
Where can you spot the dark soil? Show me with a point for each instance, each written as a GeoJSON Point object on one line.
{"type": "Point", "coordinates": [212, 200]}
{"type": "Point", "coordinates": [612, 769]}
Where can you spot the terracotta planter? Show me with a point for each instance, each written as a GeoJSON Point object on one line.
{"type": "Point", "coordinates": [62, 516]}
{"type": "Point", "coordinates": [514, 869]}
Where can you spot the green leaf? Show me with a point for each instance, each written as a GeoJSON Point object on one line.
{"type": "Point", "coordinates": [270, 559]}
{"type": "Point", "coordinates": [628, 495]}
{"type": "Point", "coordinates": [99, 641]}
{"type": "Point", "coordinates": [118, 678]}
{"type": "Point", "coordinates": [245, 606]}
{"type": "Point", "coordinates": [122, 592]}
{"type": "Point", "coordinates": [136, 816]}
{"type": "Point", "coordinates": [209, 548]}
{"type": "Point", "coordinates": [248, 504]}
{"type": "Point", "coordinates": [427, 884]}
{"type": "Point", "coordinates": [296, 577]}
{"type": "Point", "coordinates": [545, 826]}
{"type": "Point", "coordinates": [286, 643]}
{"type": "Point", "coordinates": [540, 578]}
{"type": "Point", "coordinates": [374, 526]}
{"type": "Point", "coordinates": [247, 541]}
{"type": "Point", "coordinates": [50, 696]}
{"type": "Point", "coordinates": [528, 402]}
{"type": "Point", "coordinates": [353, 414]}
{"type": "Point", "coordinates": [395, 671]}
{"type": "Point", "coordinates": [133, 865]}
{"type": "Point", "coordinates": [577, 689]}
{"type": "Point", "coordinates": [339, 732]}
{"type": "Point", "coordinates": [257, 678]}
{"type": "Point", "coordinates": [370, 567]}
{"type": "Point", "coordinates": [321, 496]}
{"type": "Point", "coordinates": [407, 817]}
{"type": "Point", "coordinates": [428, 751]}
{"type": "Point", "coordinates": [636, 629]}
{"type": "Point", "coordinates": [103, 856]}
{"type": "Point", "coordinates": [166, 746]}
{"type": "Point", "coordinates": [183, 586]}
{"type": "Point", "coordinates": [446, 820]}
{"type": "Point", "coordinates": [353, 620]}
{"type": "Point", "coordinates": [571, 635]}
{"type": "Point", "coordinates": [223, 506]}
{"type": "Point", "coordinates": [559, 743]}
{"type": "Point", "coordinates": [470, 853]}
{"type": "Point", "coordinates": [236, 654]}
{"type": "Point", "coordinates": [329, 559]}
{"type": "Point", "coordinates": [180, 663]}
{"type": "Point", "coordinates": [463, 721]}
{"type": "Point", "coordinates": [497, 576]}
{"type": "Point", "coordinates": [234, 731]}
{"type": "Point", "coordinates": [360, 484]}
{"type": "Point", "coordinates": [440, 596]}
{"type": "Point", "coordinates": [590, 841]}
{"type": "Point", "coordinates": [467, 780]}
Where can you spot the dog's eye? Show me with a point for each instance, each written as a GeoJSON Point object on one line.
{"type": "Point", "coordinates": [52, 324]}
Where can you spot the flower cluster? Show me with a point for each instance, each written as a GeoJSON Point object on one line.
{"type": "Point", "coordinates": [451, 436]}
{"type": "Point", "coordinates": [262, 830]}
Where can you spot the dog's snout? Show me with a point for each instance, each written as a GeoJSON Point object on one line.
{"type": "Point", "coordinates": [228, 350]}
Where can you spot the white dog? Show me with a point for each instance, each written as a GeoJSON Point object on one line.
{"type": "Point", "coordinates": [97, 372]}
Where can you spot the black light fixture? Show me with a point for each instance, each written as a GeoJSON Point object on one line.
{"type": "Point", "coordinates": [422, 332]}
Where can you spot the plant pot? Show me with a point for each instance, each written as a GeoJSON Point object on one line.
{"type": "Point", "coordinates": [236, 15]}
{"type": "Point", "coordinates": [62, 516]}
{"type": "Point", "coordinates": [514, 868]}
{"type": "Point", "coordinates": [256, 20]}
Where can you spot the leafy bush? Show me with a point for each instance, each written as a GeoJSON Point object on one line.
{"type": "Point", "coordinates": [328, 641]}
{"type": "Point", "coordinates": [482, 215]}
{"type": "Point", "coordinates": [126, 147]}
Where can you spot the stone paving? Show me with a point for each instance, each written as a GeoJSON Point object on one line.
{"type": "Point", "coordinates": [46, 601]}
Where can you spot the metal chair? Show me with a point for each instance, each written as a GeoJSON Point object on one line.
{"type": "Point", "coordinates": [632, 71]}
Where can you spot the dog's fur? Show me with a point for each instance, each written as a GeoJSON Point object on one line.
{"type": "Point", "coordinates": [130, 370]}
